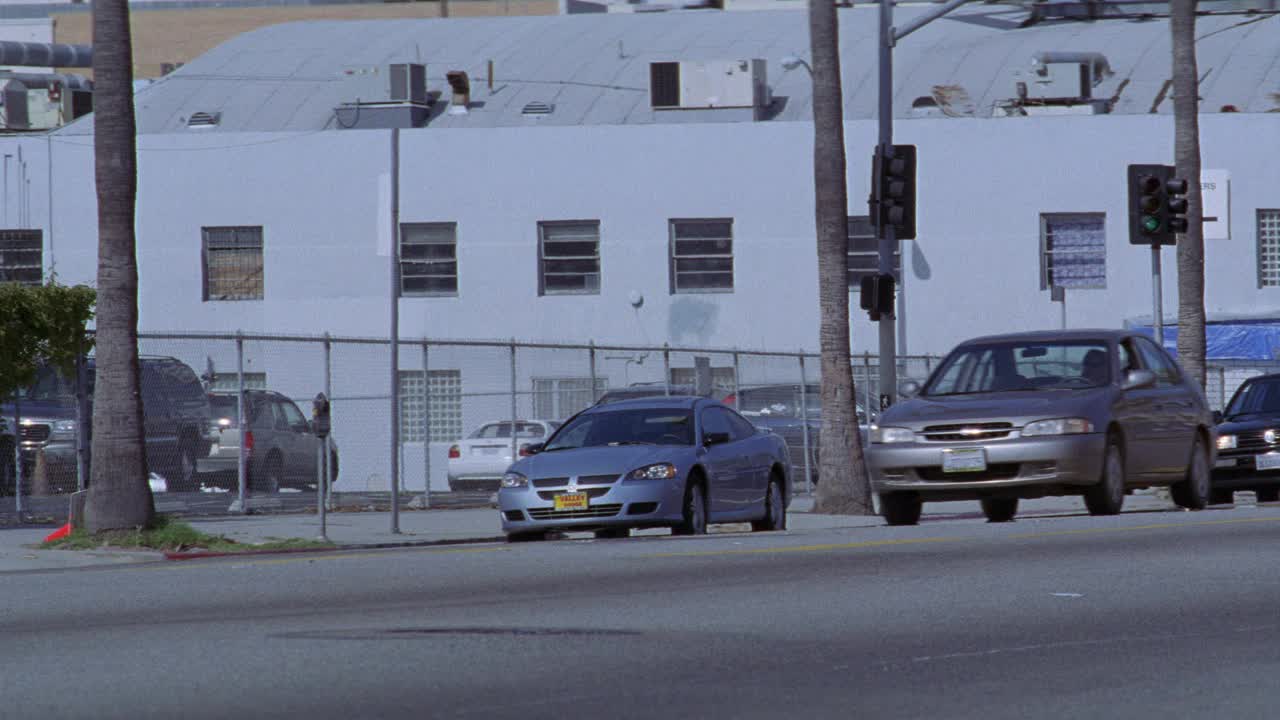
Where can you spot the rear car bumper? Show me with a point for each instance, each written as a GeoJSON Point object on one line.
{"type": "Point", "coordinates": [1026, 467]}
{"type": "Point", "coordinates": [625, 503]}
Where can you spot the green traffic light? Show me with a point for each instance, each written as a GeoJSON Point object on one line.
{"type": "Point", "coordinates": [1150, 224]}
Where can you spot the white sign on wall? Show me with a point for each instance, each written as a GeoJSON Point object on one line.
{"type": "Point", "coordinates": [1215, 188]}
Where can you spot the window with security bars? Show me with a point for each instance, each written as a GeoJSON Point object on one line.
{"type": "Point", "coordinates": [233, 263]}
{"type": "Point", "coordinates": [702, 256]}
{"type": "Point", "coordinates": [428, 259]}
{"type": "Point", "coordinates": [446, 405]}
{"type": "Point", "coordinates": [21, 256]}
{"type": "Point", "coordinates": [1268, 248]}
{"type": "Point", "coordinates": [559, 398]}
{"type": "Point", "coordinates": [864, 252]}
{"type": "Point", "coordinates": [569, 257]}
{"type": "Point", "coordinates": [1073, 251]}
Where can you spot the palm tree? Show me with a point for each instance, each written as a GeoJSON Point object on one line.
{"type": "Point", "coordinates": [119, 494]}
{"type": "Point", "coordinates": [843, 487]}
{"type": "Point", "coordinates": [1186, 149]}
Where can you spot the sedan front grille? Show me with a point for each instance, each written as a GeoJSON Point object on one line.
{"type": "Point", "coordinates": [1252, 440]}
{"type": "Point", "coordinates": [966, 432]}
{"type": "Point", "coordinates": [35, 433]}
{"type": "Point", "coordinates": [597, 511]}
{"type": "Point", "coordinates": [551, 482]}
{"type": "Point", "coordinates": [998, 471]}
{"type": "Point", "coordinates": [592, 493]}
{"type": "Point", "coordinates": [597, 479]}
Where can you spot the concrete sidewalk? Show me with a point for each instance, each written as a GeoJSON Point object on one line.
{"type": "Point", "coordinates": [18, 546]}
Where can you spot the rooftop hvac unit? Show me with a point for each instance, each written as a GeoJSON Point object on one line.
{"type": "Point", "coordinates": [694, 85]}
{"type": "Point", "coordinates": [394, 83]}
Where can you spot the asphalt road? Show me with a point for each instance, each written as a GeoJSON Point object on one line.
{"type": "Point", "coordinates": [1145, 615]}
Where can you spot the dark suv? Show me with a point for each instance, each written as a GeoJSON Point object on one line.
{"type": "Point", "coordinates": [1248, 442]}
{"type": "Point", "coordinates": [280, 443]}
{"type": "Point", "coordinates": [176, 424]}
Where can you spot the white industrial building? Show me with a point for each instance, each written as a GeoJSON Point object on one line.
{"type": "Point", "coordinates": [646, 178]}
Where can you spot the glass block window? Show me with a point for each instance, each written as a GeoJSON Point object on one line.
{"type": "Point", "coordinates": [1268, 248]}
{"type": "Point", "coordinates": [446, 405]}
{"type": "Point", "coordinates": [1073, 251]}
{"type": "Point", "coordinates": [864, 252]}
{"type": "Point", "coordinates": [21, 256]}
{"type": "Point", "coordinates": [233, 263]}
{"type": "Point", "coordinates": [428, 259]}
{"type": "Point", "coordinates": [701, 256]}
{"type": "Point", "coordinates": [569, 257]}
{"type": "Point", "coordinates": [559, 398]}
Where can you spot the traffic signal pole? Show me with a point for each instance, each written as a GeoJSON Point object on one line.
{"type": "Point", "coordinates": [887, 238]}
{"type": "Point", "coordinates": [1157, 301]}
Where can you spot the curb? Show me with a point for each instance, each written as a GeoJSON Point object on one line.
{"type": "Point", "coordinates": [202, 554]}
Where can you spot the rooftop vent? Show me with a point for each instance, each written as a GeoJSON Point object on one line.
{"type": "Point", "coordinates": [460, 83]}
{"type": "Point", "coordinates": [537, 108]}
{"type": "Point", "coordinates": [204, 119]}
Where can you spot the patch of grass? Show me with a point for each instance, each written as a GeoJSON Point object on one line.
{"type": "Point", "coordinates": [171, 535]}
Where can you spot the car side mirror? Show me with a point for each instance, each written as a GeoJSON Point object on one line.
{"type": "Point", "coordinates": [715, 438]}
{"type": "Point", "coordinates": [1218, 417]}
{"type": "Point", "coordinates": [908, 388]}
{"type": "Point", "coordinates": [1138, 379]}
{"type": "Point", "coordinates": [530, 449]}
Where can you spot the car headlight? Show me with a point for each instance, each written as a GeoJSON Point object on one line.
{"type": "Point", "coordinates": [659, 471]}
{"type": "Point", "coordinates": [1058, 426]}
{"type": "Point", "coordinates": [1227, 442]}
{"type": "Point", "coordinates": [891, 435]}
{"type": "Point", "coordinates": [514, 480]}
{"type": "Point", "coordinates": [63, 430]}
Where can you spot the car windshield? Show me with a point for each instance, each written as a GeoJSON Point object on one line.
{"type": "Point", "coordinates": [646, 426]}
{"type": "Point", "coordinates": [1255, 397]}
{"type": "Point", "coordinates": [225, 407]}
{"type": "Point", "coordinates": [503, 430]}
{"type": "Point", "coordinates": [51, 386]}
{"type": "Point", "coordinates": [1022, 366]}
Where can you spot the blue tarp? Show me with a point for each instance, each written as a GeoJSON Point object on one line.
{"type": "Point", "coordinates": [1231, 340]}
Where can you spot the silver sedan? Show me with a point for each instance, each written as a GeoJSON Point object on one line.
{"type": "Point", "coordinates": [1096, 413]}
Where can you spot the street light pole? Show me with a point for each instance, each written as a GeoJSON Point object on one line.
{"type": "Point", "coordinates": [888, 340]}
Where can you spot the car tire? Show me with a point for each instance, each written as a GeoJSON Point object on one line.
{"type": "Point", "coordinates": [1223, 497]}
{"type": "Point", "coordinates": [613, 533]}
{"type": "Point", "coordinates": [187, 480]}
{"type": "Point", "coordinates": [1107, 496]}
{"type": "Point", "coordinates": [333, 470]}
{"type": "Point", "coordinates": [1192, 492]}
{"type": "Point", "coordinates": [901, 508]}
{"type": "Point", "coordinates": [1268, 494]}
{"type": "Point", "coordinates": [999, 509]}
{"type": "Point", "coordinates": [521, 537]}
{"type": "Point", "coordinates": [693, 510]}
{"type": "Point", "coordinates": [775, 507]}
{"type": "Point", "coordinates": [267, 479]}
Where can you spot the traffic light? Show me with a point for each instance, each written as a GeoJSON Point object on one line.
{"type": "Point", "coordinates": [877, 295]}
{"type": "Point", "coordinates": [893, 191]}
{"type": "Point", "coordinates": [1157, 208]}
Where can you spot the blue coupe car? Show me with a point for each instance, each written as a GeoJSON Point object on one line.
{"type": "Point", "coordinates": [678, 462]}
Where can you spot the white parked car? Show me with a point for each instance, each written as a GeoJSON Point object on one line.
{"type": "Point", "coordinates": [478, 462]}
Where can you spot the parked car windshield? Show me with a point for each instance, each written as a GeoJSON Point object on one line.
{"type": "Point", "coordinates": [1022, 366]}
{"type": "Point", "coordinates": [1255, 397]}
{"type": "Point", "coordinates": [648, 426]}
{"type": "Point", "coordinates": [51, 386]}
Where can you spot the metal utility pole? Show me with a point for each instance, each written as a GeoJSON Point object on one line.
{"type": "Point", "coordinates": [395, 330]}
{"type": "Point", "coordinates": [888, 339]}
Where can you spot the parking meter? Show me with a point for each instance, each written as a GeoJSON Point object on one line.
{"type": "Point", "coordinates": [320, 415]}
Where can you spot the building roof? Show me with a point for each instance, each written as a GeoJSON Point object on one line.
{"type": "Point", "coordinates": [594, 69]}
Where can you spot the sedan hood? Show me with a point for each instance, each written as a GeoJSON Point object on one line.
{"type": "Point", "coordinates": [599, 460]}
{"type": "Point", "coordinates": [1251, 421]}
{"type": "Point", "coordinates": [1018, 407]}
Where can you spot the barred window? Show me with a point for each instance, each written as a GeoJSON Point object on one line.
{"type": "Point", "coordinates": [428, 259]}
{"type": "Point", "coordinates": [701, 256]}
{"type": "Point", "coordinates": [559, 398]}
{"type": "Point", "coordinates": [233, 263]}
{"type": "Point", "coordinates": [1268, 248]}
{"type": "Point", "coordinates": [569, 257]}
{"type": "Point", "coordinates": [21, 256]}
{"type": "Point", "coordinates": [1073, 251]}
{"type": "Point", "coordinates": [446, 405]}
{"type": "Point", "coordinates": [864, 252]}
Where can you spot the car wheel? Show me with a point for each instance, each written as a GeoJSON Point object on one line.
{"type": "Point", "coordinates": [520, 537]}
{"type": "Point", "coordinates": [694, 511]}
{"type": "Point", "coordinates": [775, 508]}
{"type": "Point", "coordinates": [1224, 497]}
{"type": "Point", "coordinates": [267, 479]}
{"type": "Point", "coordinates": [1193, 492]}
{"type": "Point", "coordinates": [999, 510]}
{"type": "Point", "coordinates": [333, 470]}
{"type": "Point", "coordinates": [901, 508]}
{"type": "Point", "coordinates": [613, 533]}
{"type": "Point", "coordinates": [186, 468]}
{"type": "Point", "coordinates": [1107, 497]}
{"type": "Point", "coordinates": [1269, 494]}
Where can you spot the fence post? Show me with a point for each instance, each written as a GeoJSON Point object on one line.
{"type": "Point", "coordinates": [82, 425]}
{"type": "Point", "coordinates": [242, 462]}
{"type": "Point", "coordinates": [804, 427]}
{"type": "Point", "coordinates": [426, 424]}
{"type": "Point", "coordinates": [591, 350]}
{"type": "Point", "coordinates": [866, 387]}
{"type": "Point", "coordinates": [328, 439]}
{"type": "Point", "coordinates": [514, 456]}
{"type": "Point", "coordinates": [18, 473]}
{"type": "Point", "coordinates": [737, 384]}
{"type": "Point", "coordinates": [1222, 387]}
{"type": "Point", "coordinates": [666, 368]}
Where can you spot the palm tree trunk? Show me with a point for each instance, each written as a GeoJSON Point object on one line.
{"type": "Point", "coordinates": [843, 484]}
{"type": "Point", "coordinates": [1186, 148]}
{"type": "Point", "coordinates": [119, 494]}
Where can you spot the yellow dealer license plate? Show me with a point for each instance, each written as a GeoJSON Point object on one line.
{"type": "Point", "coordinates": [571, 501]}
